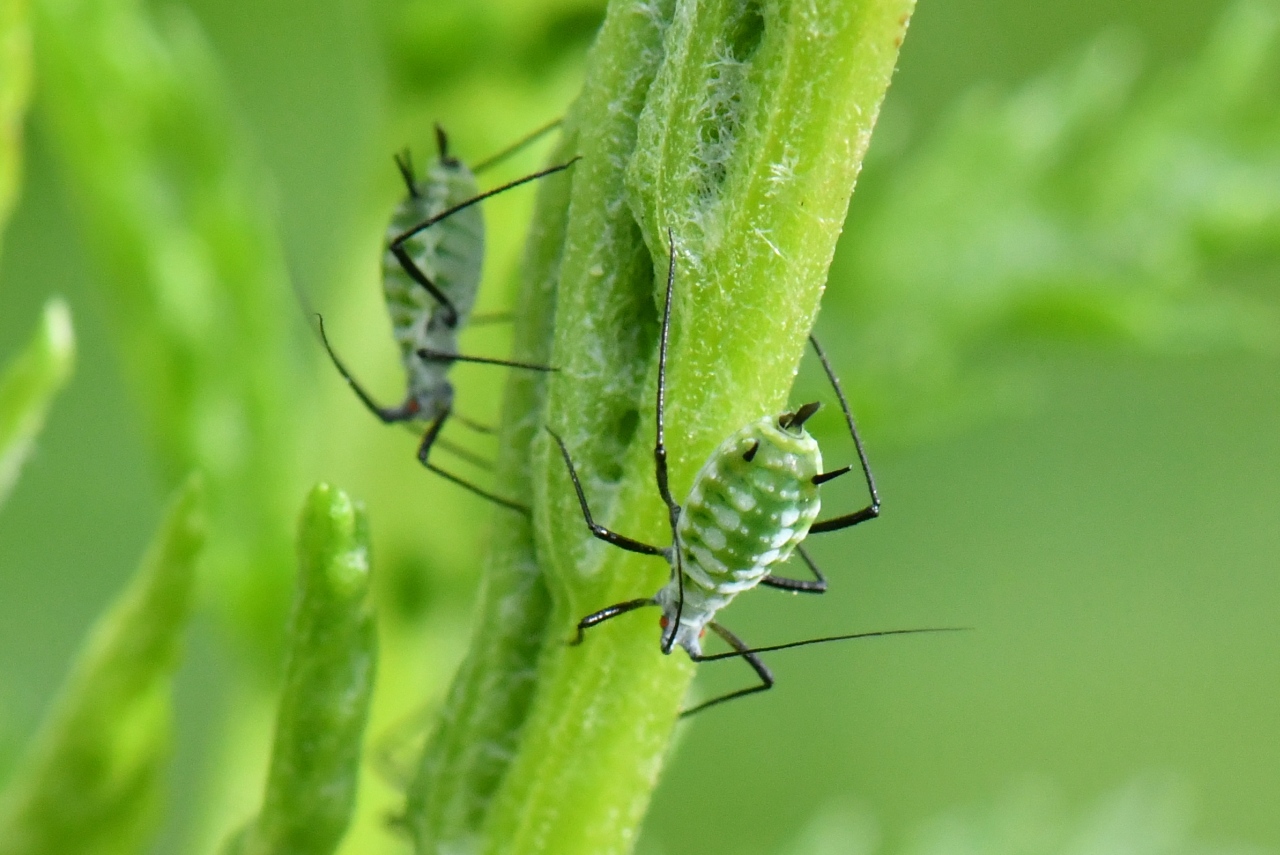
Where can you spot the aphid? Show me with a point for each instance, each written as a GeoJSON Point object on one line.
{"type": "Point", "coordinates": [752, 503]}
{"type": "Point", "coordinates": [430, 276]}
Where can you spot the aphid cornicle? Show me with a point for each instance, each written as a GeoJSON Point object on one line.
{"type": "Point", "coordinates": [430, 276]}
{"type": "Point", "coordinates": [751, 504]}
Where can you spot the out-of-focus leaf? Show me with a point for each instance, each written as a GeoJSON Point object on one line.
{"type": "Point", "coordinates": [1092, 204]}
{"type": "Point", "coordinates": [15, 88]}
{"type": "Point", "coordinates": [329, 670]}
{"type": "Point", "coordinates": [1147, 815]}
{"type": "Point", "coordinates": [431, 46]}
{"type": "Point", "coordinates": [92, 781]}
{"type": "Point", "coordinates": [28, 386]}
{"type": "Point", "coordinates": [177, 210]}
{"type": "Point", "coordinates": [1151, 814]}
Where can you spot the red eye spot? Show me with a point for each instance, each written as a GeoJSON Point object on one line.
{"type": "Point", "coordinates": [702, 632]}
{"type": "Point", "coordinates": [663, 622]}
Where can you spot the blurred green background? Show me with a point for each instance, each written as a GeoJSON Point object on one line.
{"type": "Point", "coordinates": [1094, 491]}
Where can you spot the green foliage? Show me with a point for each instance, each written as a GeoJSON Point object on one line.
{"type": "Point", "coordinates": [28, 386]}
{"type": "Point", "coordinates": [192, 268]}
{"type": "Point", "coordinates": [15, 89]}
{"type": "Point", "coordinates": [1092, 204]}
{"type": "Point", "coordinates": [92, 781]}
{"type": "Point", "coordinates": [329, 670]}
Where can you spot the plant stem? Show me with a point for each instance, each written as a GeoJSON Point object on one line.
{"type": "Point", "coordinates": [741, 127]}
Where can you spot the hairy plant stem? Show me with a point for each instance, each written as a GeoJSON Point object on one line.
{"type": "Point", "coordinates": [740, 127]}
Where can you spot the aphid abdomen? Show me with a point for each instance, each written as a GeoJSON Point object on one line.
{"type": "Point", "coordinates": [449, 253]}
{"type": "Point", "coordinates": [747, 512]}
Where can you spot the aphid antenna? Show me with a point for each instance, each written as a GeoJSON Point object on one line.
{"type": "Point", "coordinates": [516, 147]}
{"type": "Point", "coordinates": [442, 356]}
{"type": "Point", "coordinates": [660, 447]}
{"type": "Point", "coordinates": [883, 633]}
{"type": "Point", "coordinates": [475, 200]}
{"type": "Point", "coordinates": [751, 655]}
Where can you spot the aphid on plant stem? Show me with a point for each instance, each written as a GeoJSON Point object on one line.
{"type": "Point", "coordinates": [430, 276]}
{"type": "Point", "coordinates": [752, 503]}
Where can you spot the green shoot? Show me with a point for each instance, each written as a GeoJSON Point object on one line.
{"type": "Point", "coordinates": [329, 671]}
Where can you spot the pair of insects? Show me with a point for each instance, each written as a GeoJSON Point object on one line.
{"type": "Point", "coordinates": [751, 505]}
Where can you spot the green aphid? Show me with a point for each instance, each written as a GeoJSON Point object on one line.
{"type": "Point", "coordinates": [751, 505]}
{"type": "Point", "coordinates": [430, 276]}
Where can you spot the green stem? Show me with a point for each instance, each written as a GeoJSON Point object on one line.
{"type": "Point", "coordinates": [740, 127]}
{"type": "Point", "coordinates": [27, 389]}
{"type": "Point", "coordinates": [94, 777]}
{"type": "Point", "coordinates": [329, 668]}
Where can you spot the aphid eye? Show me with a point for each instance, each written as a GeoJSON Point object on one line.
{"type": "Point", "coordinates": [750, 453]}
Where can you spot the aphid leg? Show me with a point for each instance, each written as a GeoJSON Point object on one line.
{"type": "Point", "coordinates": [660, 447]}
{"type": "Point", "coordinates": [397, 243]}
{"type": "Point", "coordinates": [478, 427]}
{"type": "Point", "coordinates": [605, 614]}
{"type": "Point", "coordinates": [872, 510]}
{"type": "Point", "coordinates": [482, 318]}
{"type": "Point", "coordinates": [443, 356]}
{"type": "Point", "coordinates": [462, 453]}
{"type": "Point", "coordinates": [740, 648]}
{"type": "Point", "coordinates": [388, 415]}
{"type": "Point", "coordinates": [818, 585]}
{"type": "Point", "coordinates": [424, 452]}
{"type": "Point", "coordinates": [399, 239]}
{"type": "Point", "coordinates": [406, 263]}
{"type": "Point", "coordinates": [393, 748]}
{"type": "Point", "coordinates": [619, 540]}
